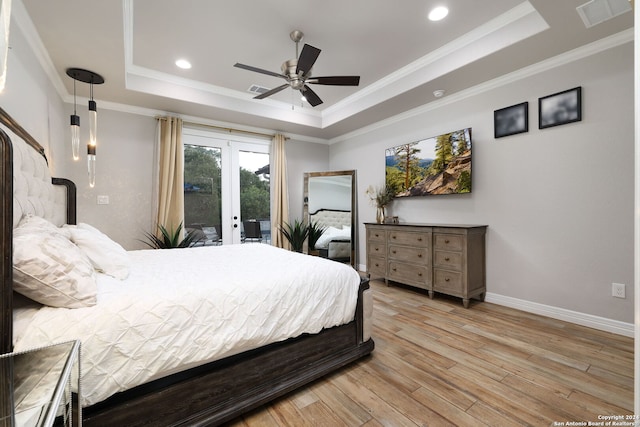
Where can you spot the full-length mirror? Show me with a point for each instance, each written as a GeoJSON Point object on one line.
{"type": "Point", "coordinates": [330, 203]}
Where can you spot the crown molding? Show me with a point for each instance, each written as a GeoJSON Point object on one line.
{"type": "Point", "coordinates": [23, 21]}
{"type": "Point", "coordinates": [593, 48]}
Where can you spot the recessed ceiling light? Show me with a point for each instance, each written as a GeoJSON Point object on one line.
{"type": "Point", "coordinates": [183, 63]}
{"type": "Point", "coordinates": [438, 13]}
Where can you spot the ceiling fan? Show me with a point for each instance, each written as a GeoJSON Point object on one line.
{"type": "Point", "coordinates": [297, 73]}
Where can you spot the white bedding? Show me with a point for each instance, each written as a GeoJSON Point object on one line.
{"type": "Point", "coordinates": [184, 307]}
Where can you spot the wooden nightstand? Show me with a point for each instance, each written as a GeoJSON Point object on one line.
{"type": "Point", "coordinates": [36, 386]}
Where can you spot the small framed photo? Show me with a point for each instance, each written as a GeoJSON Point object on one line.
{"type": "Point", "coordinates": [560, 108]}
{"type": "Point", "coordinates": [511, 120]}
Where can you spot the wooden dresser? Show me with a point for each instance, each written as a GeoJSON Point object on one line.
{"type": "Point", "coordinates": [449, 259]}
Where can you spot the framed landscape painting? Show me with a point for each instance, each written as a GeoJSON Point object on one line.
{"type": "Point", "coordinates": [436, 165]}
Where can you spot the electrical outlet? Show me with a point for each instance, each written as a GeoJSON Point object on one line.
{"type": "Point", "coordinates": [618, 290]}
{"type": "Point", "coordinates": [103, 200]}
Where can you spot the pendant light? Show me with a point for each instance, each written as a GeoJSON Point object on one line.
{"type": "Point", "coordinates": [93, 134]}
{"type": "Point", "coordinates": [75, 128]}
{"type": "Point", "coordinates": [91, 78]}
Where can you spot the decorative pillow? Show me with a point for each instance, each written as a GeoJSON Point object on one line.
{"type": "Point", "coordinates": [50, 269]}
{"type": "Point", "coordinates": [36, 223]}
{"type": "Point", "coordinates": [106, 255]}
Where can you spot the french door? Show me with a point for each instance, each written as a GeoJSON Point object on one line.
{"type": "Point", "coordinates": [226, 183]}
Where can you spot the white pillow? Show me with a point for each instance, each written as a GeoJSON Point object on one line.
{"type": "Point", "coordinates": [106, 255]}
{"type": "Point", "coordinates": [36, 223]}
{"type": "Point", "coordinates": [49, 268]}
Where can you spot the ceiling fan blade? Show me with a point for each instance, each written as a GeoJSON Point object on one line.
{"type": "Point", "coordinates": [272, 91]}
{"type": "Point", "coordinates": [336, 80]}
{"type": "Point", "coordinates": [258, 70]}
{"type": "Point", "coordinates": [312, 98]}
{"type": "Point", "coordinates": [307, 58]}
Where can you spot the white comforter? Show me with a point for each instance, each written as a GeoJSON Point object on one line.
{"type": "Point", "coordinates": [181, 308]}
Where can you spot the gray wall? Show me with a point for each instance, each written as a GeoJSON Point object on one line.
{"type": "Point", "coordinates": [30, 98]}
{"type": "Point", "coordinates": [303, 157]}
{"type": "Point", "coordinates": [558, 201]}
{"type": "Point", "coordinates": [124, 173]}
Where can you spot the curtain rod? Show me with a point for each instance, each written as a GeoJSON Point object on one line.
{"type": "Point", "coordinates": [227, 129]}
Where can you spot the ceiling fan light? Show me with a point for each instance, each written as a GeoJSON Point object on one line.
{"type": "Point", "coordinates": [438, 13]}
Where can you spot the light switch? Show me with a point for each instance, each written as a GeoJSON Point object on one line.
{"type": "Point", "coordinates": [103, 200]}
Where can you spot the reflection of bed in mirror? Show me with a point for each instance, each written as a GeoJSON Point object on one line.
{"type": "Point", "coordinates": [335, 241]}
{"type": "Point", "coordinates": [329, 200]}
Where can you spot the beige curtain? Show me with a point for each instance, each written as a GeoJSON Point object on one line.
{"type": "Point", "coordinates": [170, 173]}
{"type": "Point", "coordinates": [280, 200]}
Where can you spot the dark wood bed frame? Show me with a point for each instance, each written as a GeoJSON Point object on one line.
{"type": "Point", "coordinates": [206, 395]}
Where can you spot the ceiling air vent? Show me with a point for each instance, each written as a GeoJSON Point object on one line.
{"type": "Point", "coordinates": [257, 89]}
{"type": "Point", "coordinates": [597, 11]}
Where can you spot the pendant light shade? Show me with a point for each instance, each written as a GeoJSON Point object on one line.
{"type": "Point", "coordinates": [75, 128]}
{"type": "Point", "coordinates": [93, 122]}
{"type": "Point", "coordinates": [91, 164]}
{"type": "Point", "coordinates": [75, 136]}
{"type": "Point", "coordinates": [85, 76]}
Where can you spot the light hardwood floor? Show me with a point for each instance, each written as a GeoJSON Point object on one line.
{"type": "Point", "coordinates": [436, 363]}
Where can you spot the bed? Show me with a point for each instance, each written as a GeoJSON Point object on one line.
{"type": "Point", "coordinates": [207, 372]}
{"type": "Point", "coordinates": [335, 241]}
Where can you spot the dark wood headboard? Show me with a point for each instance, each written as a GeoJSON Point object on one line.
{"type": "Point", "coordinates": [6, 219]}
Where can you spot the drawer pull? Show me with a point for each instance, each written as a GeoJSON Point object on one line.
{"type": "Point", "coordinates": [377, 265]}
{"type": "Point", "coordinates": [393, 252]}
{"type": "Point", "coordinates": [419, 255]}
{"type": "Point", "coordinates": [446, 279]}
{"type": "Point", "coordinates": [376, 249]}
{"type": "Point", "coordinates": [419, 239]}
{"type": "Point", "coordinates": [393, 237]}
{"type": "Point", "coordinates": [394, 269]}
{"type": "Point", "coordinates": [377, 235]}
{"type": "Point", "coordinates": [446, 240]}
{"type": "Point", "coordinates": [446, 258]}
{"type": "Point", "coordinates": [419, 274]}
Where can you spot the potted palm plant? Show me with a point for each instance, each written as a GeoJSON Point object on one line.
{"type": "Point", "coordinates": [295, 234]}
{"type": "Point", "coordinates": [170, 239]}
{"type": "Point", "coordinates": [315, 231]}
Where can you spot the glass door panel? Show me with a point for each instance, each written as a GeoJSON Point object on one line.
{"type": "Point", "coordinates": [226, 182]}
{"type": "Point", "coordinates": [203, 192]}
{"type": "Point", "coordinates": [255, 197]}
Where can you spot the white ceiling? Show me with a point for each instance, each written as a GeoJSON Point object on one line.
{"type": "Point", "coordinates": [400, 55]}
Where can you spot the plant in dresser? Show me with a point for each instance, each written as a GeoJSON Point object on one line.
{"type": "Point", "coordinates": [380, 198]}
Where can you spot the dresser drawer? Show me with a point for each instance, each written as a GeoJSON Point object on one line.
{"type": "Point", "coordinates": [409, 254]}
{"type": "Point", "coordinates": [449, 282]}
{"type": "Point", "coordinates": [448, 242]}
{"type": "Point", "coordinates": [375, 235]}
{"type": "Point", "coordinates": [448, 260]}
{"type": "Point", "coordinates": [378, 249]}
{"type": "Point", "coordinates": [410, 274]}
{"type": "Point", "coordinates": [409, 238]}
{"type": "Point", "coordinates": [377, 266]}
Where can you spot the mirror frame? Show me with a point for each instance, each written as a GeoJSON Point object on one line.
{"type": "Point", "coordinates": [354, 205]}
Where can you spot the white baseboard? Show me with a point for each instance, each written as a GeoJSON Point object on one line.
{"type": "Point", "coordinates": [596, 322]}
